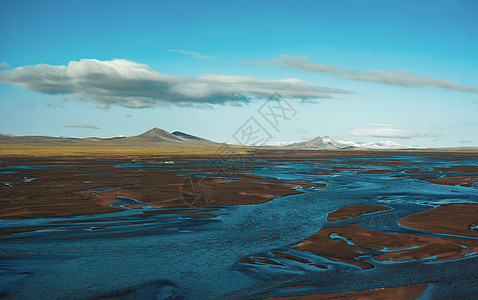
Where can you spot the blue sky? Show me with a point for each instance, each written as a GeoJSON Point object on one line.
{"type": "Point", "coordinates": [405, 71]}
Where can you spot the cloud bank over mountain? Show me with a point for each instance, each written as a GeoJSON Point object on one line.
{"type": "Point", "coordinates": [389, 131]}
{"type": "Point", "coordinates": [87, 126]}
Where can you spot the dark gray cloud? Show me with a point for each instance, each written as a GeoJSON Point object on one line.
{"type": "Point", "coordinates": [192, 53]}
{"type": "Point", "coordinates": [129, 84]}
{"type": "Point", "coordinates": [377, 76]}
{"type": "Point", "coordinates": [82, 126]}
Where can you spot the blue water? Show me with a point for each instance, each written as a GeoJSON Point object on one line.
{"type": "Point", "coordinates": [171, 255]}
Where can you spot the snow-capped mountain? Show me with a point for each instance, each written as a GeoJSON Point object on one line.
{"type": "Point", "coordinates": [321, 143]}
{"type": "Point", "coordinates": [327, 143]}
{"type": "Point", "coordinates": [380, 145]}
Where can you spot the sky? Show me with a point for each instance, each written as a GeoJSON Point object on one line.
{"type": "Point", "coordinates": [364, 71]}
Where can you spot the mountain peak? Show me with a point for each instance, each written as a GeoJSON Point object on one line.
{"type": "Point", "coordinates": [156, 130]}
{"type": "Point", "coordinates": [159, 135]}
{"type": "Point", "coordinates": [324, 143]}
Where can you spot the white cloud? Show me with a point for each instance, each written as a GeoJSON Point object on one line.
{"type": "Point", "coordinates": [387, 77]}
{"type": "Point", "coordinates": [129, 84]}
{"type": "Point", "coordinates": [389, 131]}
{"type": "Point", "coordinates": [82, 126]}
{"type": "Point", "coordinates": [4, 65]}
{"type": "Point", "coordinates": [381, 124]}
{"type": "Point", "coordinates": [192, 53]}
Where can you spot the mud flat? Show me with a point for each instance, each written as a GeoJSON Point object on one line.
{"type": "Point", "coordinates": [79, 186]}
{"type": "Point", "coordinates": [454, 219]}
{"type": "Point", "coordinates": [402, 292]}
{"type": "Point", "coordinates": [350, 244]}
{"type": "Point", "coordinates": [267, 224]}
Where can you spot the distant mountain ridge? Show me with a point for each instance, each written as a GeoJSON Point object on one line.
{"type": "Point", "coordinates": [159, 137]}
{"type": "Point", "coordinates": [152, 137]}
